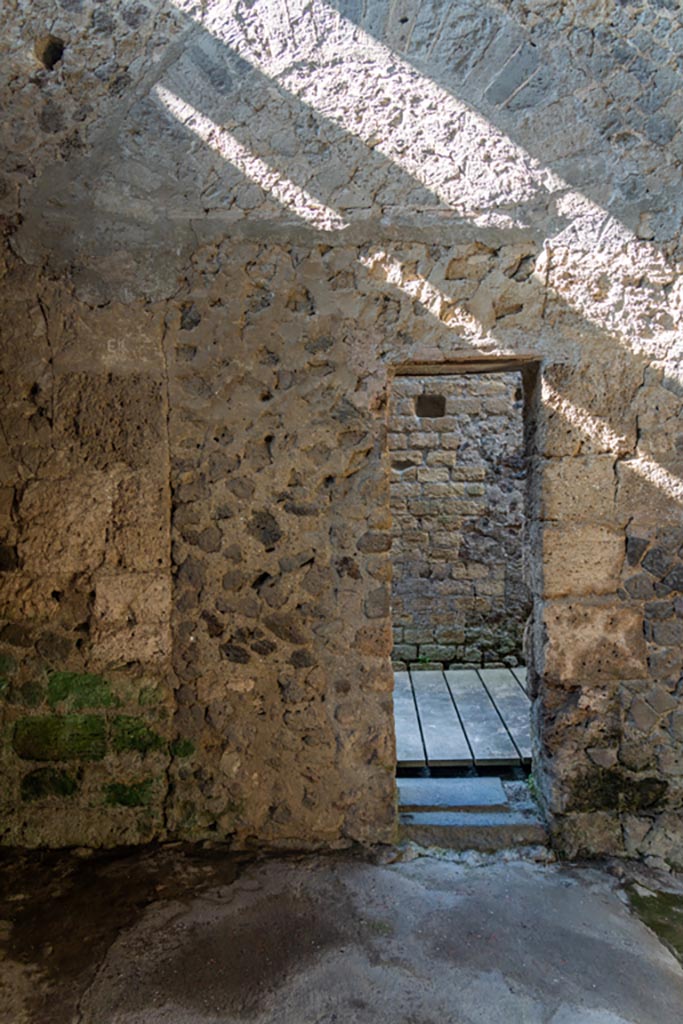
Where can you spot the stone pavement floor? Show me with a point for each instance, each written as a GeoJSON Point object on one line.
{"type": "Point", "coordinates": [179, 936]}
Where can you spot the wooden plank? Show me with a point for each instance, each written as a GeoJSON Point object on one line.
{"type": "Point", "coordinates": [512, 704]}
{"type": "Point", "coordinates": [410, 751]}
{"type": "Point", "coordinates": [486, 734]}
{"type": "Point", "coordinates": [444, 740]}
{"type": "Point", "coordinates": [520, 675]}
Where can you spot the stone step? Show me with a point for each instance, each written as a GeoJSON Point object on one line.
{"type": "Point", "coordinates": [441, 794]}
{"type": "Point", "coordinates": [470, 830]}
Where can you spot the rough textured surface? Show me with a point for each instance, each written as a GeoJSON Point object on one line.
{"type": "Point", "coordinates": [301, 941]}
{"type": "Point", "coordinates": [227, 226]}
{"type": "Point", "coordinates": [458, 478]}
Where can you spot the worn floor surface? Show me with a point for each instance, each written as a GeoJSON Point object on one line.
{"type": "Point", "coordinates": [185, 938]}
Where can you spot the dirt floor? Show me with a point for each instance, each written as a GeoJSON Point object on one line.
{"type": "Point", "coordinates": [199, 937]}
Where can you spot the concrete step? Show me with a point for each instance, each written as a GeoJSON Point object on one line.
{"type": "Point", "coordinates": [441, 794]}
{"type": "Point", "coordinates": [472, 830]}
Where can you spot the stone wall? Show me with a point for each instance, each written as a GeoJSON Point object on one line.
{"type": "Point", "coordinates": [229, 228]}
{"type": "Point", "coordinates": [457, 501]}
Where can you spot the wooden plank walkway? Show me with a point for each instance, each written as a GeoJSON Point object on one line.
{"type": "Point", "coordinates": [444, 739]}
{"type": "Point", "coordinates": [512, 705]}
{"type": "Point", "coordinates": [461, 717]}
{"type": "Point", "coordinates": [410, 751]}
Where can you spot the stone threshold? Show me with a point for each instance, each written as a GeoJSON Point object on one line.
{"type": "Point", "coordinates": [479, 813]}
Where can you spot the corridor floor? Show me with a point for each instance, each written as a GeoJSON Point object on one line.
{"type": "Point", "coordinates": [168, 935]}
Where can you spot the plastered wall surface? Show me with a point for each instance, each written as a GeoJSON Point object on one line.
{"type": "Point", "coordinates": [458, 482]}
{"type": "Point", "coordinates": [226, 228]}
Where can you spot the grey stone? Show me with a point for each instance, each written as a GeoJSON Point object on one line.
{"type": "Point", "coordinates": [641, 586]}
{"type": "Point", "coordinates": [377, 603]}
{"type": "Point", "coordinates": [405, 652]}
{"type": "Point", "coordinates": [657, 562]}
{"type": "Point", "coordinates": [635, 549]}
{"type": "Point", "coordinates": [451, 794]}
{"type": "Point", "coordinates": [539, 89]}
{"type": "Point", "coordinates": [674, 579]}
{"type": "Point", "coordinates": [660, 129]}
{"type": "Point", "coordinates": [515, 72]}
{"type": "Point", "coordinates": [668, 634]}
{"type": "Point", "coordinates": [264, 526]}
{"type": "Point", "coordinates": [467, 830]}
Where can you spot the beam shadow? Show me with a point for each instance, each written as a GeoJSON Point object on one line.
{"type": "Point", "coordinates": [226, 78]}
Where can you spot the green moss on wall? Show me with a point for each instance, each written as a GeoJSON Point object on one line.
{"type": "Point", "coordinates": [31, 694]}
{"type": "Point", "coordinates": [182, 748]}
{"type": "Point", "coordinates": [8, 665]}
{"type": "Point", "coordinates": [44, 782]}
{"type": "Point", "coordinates": [80, 690]}
{"type": "Point", "coordinates": [606, 789]}
{"type": "Point", "coordinates": [138, 794]}
{"type": "Point", "coordinates": [129, 733]}
{"type": "Point", "coordinates": [60, 738]}
{"type": "Point", "coordinates": [149, 696]}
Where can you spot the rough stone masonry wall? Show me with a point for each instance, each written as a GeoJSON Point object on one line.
{"type": "Point", "coordinates": [458, 594]}
{"type": "Point", "coordinates": [228, 227]}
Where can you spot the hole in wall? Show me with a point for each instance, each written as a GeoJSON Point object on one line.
{"type": "Point", "coordinates": [430, 406]}
{"type": "Point", "coordinates": [49, 50]}
{"type": "Point", "coordinates": [261, 580]}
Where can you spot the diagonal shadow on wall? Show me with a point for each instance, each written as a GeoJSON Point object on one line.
{"type": "Point", "coordinates": [311, 155]}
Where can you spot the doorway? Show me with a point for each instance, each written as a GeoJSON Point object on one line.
{"type": "Point", "coordinates": [460, 592]}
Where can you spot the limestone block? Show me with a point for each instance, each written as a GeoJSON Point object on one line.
{"type": "Point", "coordinates": [65, 523]}
{"type": "Point", "coordinates": [650, 491]}
{"type": "Point", "coordinates": [110, 418]}
{"type": "Point", "coordinates": [141, 528]}
{"type": "Point", "coordinates": [132, 618]}
{"type": "Point", "coordinates": [433, 476]}
{"type": "Point", "coordinates": [588, 411]}
{"type": "Point", "coordinates": [581, 560]}
{"type": "Point", "coordinates": [592, 643]}
{"type": "Point", "coordinates": [439, 458]}
{"type": "Point", "coordinates": [579, 488]}
{"type": "Point", "coordinates": [423, 440]}
{"type": "Point", "coordinates": [660, 428]}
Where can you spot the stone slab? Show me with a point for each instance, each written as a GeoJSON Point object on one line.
{"type": "Point", "coordinates": [460, 830]}
{"type": "Point", "coordinates": [451, 794]}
